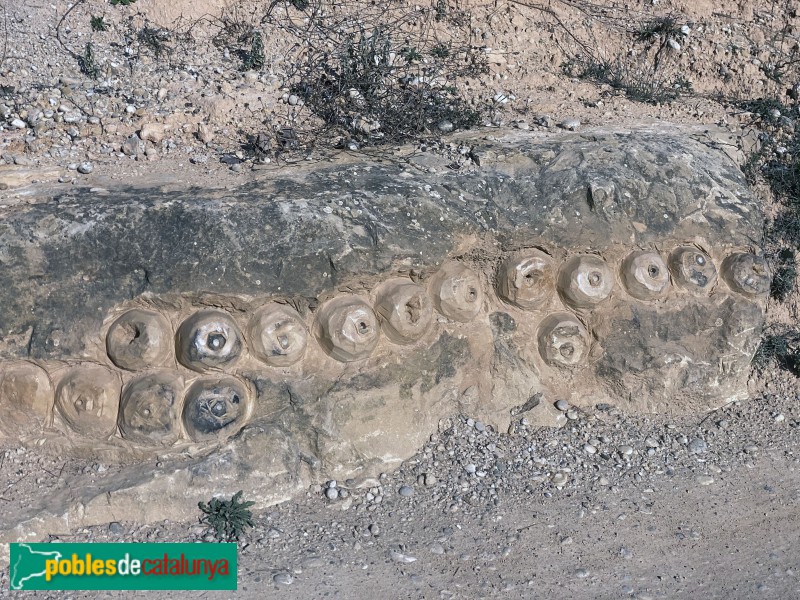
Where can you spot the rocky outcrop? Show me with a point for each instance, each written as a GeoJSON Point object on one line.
{"type": "Point", "coordinates": [318, 324]}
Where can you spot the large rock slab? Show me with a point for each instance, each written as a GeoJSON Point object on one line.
{"type": "Point", "coordinates": [318, 323]}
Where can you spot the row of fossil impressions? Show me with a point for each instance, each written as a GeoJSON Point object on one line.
{"type": "Point", "coordinates": [348, 328]}
{"type": "Point", "coordinates": [158, 409]}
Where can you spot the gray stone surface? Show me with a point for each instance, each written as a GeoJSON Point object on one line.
{"type": "Point", "coordinates": [73, 262]}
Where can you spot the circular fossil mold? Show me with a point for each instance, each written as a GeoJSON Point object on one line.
{"type": "Point", "coordinates": [746, 274]}
{"type": "Point", "coordinates": [456, 292]}
{"type": "Point", "coordinates": [208, 339]}
{"type": "Point", "coordinates": [405, 310]}
{"type": "Point", "coordinates": [347, 329]}
{"type": "Point", "coordinates": [692, 269]}
{"type": "Point", "coordinates": [139, 339]}
{"type": "Point", "coordinates": [526, 278]}
{"type": "Point", "coordinates": [585, 281]}
{"type": "Point", "coordinates": [26, 397]}
{"type": "Point", "coordinates": [278, 335]}
{"type": "Point", "coordinates": [215, 409]}
{"type": "Point", "coordinates": [148, 413]}
{"type": "Point", "coordinates": [563, 340]}
{"type": "Point", "coordinates": [87, 399]}
{"type": "Point", "coordinates": [645, 275]}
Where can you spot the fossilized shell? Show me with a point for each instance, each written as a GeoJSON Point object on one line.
{"type": "Point", "coordinates": [139, 339]}
{"type": "Point", "coordinates": [456, 292]}
{"type": "Point", "coordinates": [26, 397]}
{"type": "Point", "coordinates": [208, 339]}
{"type": "Point", "coordinates": [149, 409]}
{"type": "Point", "coordinates": [277, 335]}
{"type": "Point", "coordinates": [215, 408]}
{"type": "Point", "coordinates": [526, 279]}
{"type": "Point", "coordinates": [87, 399]}
{"type": "Point", "coordinates": [563, 340]}
{"type": "Point", "coordinates": [585, 281]}
{"type": "Point", "coordinates": [747, 274]}
{"type": "Point", "coordinates": [645, 275]}
{"type": "Point", "coordinates": [405, 310]}
{"type": "Point", "coordinates": [347, 328]}
{"type": "Point", "coordinates": [692, 269]}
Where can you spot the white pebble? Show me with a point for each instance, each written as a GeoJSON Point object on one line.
{"type": "Point", "coordinates": [570, 124]}
{"type": "Point", "coordinates": [18, 124]}
{"type": "Point", "coordinates": [705, 479]}
{"type": "Point", "coordinates": [674, 45]}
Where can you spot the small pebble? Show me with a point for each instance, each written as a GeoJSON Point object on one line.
{"type": "Point", "coordinates": [581, 573]}
{"type": "Point", "coordinates": [562, 405]}
{"type": "Point", "coordinates": [470, 468]}
{"type": "Point", "coordinates": [293, 100]}
{"type": "Point", "coordinates": [18, 124]}
{"type": "Point", "coordinates": [283, 578]}
{"type": "Point", "coordinates": [573, 414]}
{"type": "Point", "coordinates": [651, 443]}
{"type": "Point", "coordinates": [570, 124]}
{"type": "Point", "coordinates": [697, 446]}
{"type": "Point", "coordinates": [116, 528]}
{"type": "Point", "coordinates": [85, 168]}
{"type": "Point", "coordinates": [705, 479]}
{"type": "Point", "coordinates": [560, 479]}
{"type": "Point", "coordinates": [445, 126]}
{"type": "Point", "coordinates": [406, 491]}
{"type": "Point", "coordinates": [751, 448]}
{"type": "Point", "coordinates": [625, 450]}
{"type": "Point", "coordinates": [332, 493]}
{"type": "Point", "coordinates": [589, 449]}
{"type": "Point", "coordinates": [674, 45]}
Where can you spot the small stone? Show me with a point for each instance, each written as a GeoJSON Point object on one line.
{"type": "Point", "coordinates": [625, 450]}
{"type": "Point", "coordinates": [130, 109]}
{"type": "Point", "coordinates": [130, 147]}
{"type": "Point", "coordinates": [779, 418]}
{"type": "Point", "coordinates": [562, 405]}
{"type": "Point", "coordinates": [116, 528]}
{"type": "Point", "coordinates": [470, 468]}
{"type": "Point", "coordinates": [686, 30]}
{"type": "Point", "coordinates": [697, 446]}
{"type": "Point", "coordinates": [374, 530]}
{"type": "Point", "coordinates": [560, 479]}
{"type": "Point", "coordinates": [429, 479]}
{"type": "Point", "coordinates": [402, 558]}
{"type": "Point", "coordinates": [152, 132]}
{"type": "Point", "coordinates": [437, 548]}
{"type": "Point", "coordinates": [705, 479]}
{"type": "Point", "coordinates": [570, 124]}
{"type": "Point", "coordinates": [85, 168]}
{"type": "Point", "coordinates": [293, 100]}
{"type": "Point", "coordinates": [406, 491]}
{"type": "Point", "coordinates": [332, 493]}
{"type": "Point", "coordinates": [480, 426]}
{"type": "Point", "coordinates": [751, 448]}
{"type": "Point", "coordinates": [445, 126]}
{"type": "Point", "coordinates": [581, 573]}
{"type": "Point", "coordinates": [651, 443]}
{"type": "Point", "coordinates": [573, 414]}
{"type": "Point", "coordinates": [589, 449]}
{"type": "Point", "coordinates": [18, 124]}
{"type": "Point", "coordinates": [283, 578]}
{"type": "Point", "coordinates": [204, 133]}
{"type": "Point", "coordinates": [674, 45]}
{"type": "Point", "coordinates": [162, 93]}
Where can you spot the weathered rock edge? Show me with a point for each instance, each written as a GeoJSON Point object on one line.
{"type": "Point", "coordinates": [72, 263]}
